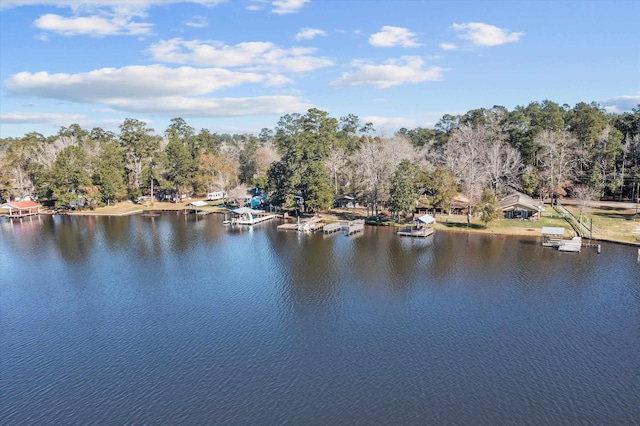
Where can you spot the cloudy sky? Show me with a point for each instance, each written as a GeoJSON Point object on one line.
{"type": "Point", "coordinates": [236, 66]}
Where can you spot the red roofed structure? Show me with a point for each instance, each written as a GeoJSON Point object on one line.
{"type": "Point", "coordinates": [18, 209]}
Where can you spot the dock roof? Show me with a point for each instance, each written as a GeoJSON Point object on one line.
{"type": "Point", "coordinates": [20, 205]}
{"type": "Point", "coordinates": [244, 210]}
{"type": "Point", "coordinates": [426, 219]}
{"type": "Point", "coordinates": [552, 230]}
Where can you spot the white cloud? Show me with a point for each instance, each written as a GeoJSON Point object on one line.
{"type": "Point", "coordinates": [93, 4]}
{"type": "Point", "coordinates": [91, 25]}
{"type": "Point", "coordinates": [385, 124]}
{"type": "Point", "coordinates": [99, 17]}
{"type": "Point", "coordinates": [394, 36]}
{"type": "Point", "coordinates": [280, 7]}
{"type": "Point", "coordinates": [405, 70]}
{"type": "Point", "coordinates": [107, 85]}
{"type": "Point", "coordinates": [254, 55]}
{"type": "Point", "coordinates": [288, 6]}
{"type": "Point", "coordinates": [392, 124]}
{"type": "Point", "coordinates": [484, 34]}
{"type": "Point", "coordinates": [448, 46]}
{"type": "Point", "coordinates": [213, 107]}
{"type": "Point", "coordinates": [38, 117]}
{"type": "Point", "coordinates": [197, 22]}
{"type": "Point", "coordinates": [309, 33]}
{"type": "Point", "coordinates": [154, 89]}
{"type": "Point", "coordinates": [621, 103]}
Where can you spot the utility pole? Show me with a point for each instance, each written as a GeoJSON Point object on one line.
{"type": "Point", "coordinates": [637, 199]}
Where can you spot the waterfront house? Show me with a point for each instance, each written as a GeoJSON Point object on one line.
{"type": "Point", "coordinates": [17, 209]}
{"type": "Point", "coordinates": [521, 206]}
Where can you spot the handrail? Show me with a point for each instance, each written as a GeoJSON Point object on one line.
{"type": "Point", "coordinates": [577, 226]}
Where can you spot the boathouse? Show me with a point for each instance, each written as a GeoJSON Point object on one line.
{"type": "Point", "coordinates": [521, 206]}
{"type": "Point", "coordinates": [247, 216]}
{"type": "Point", "coordinates": [196, 207]}
{"type": "Point", "coordinates": [421, 227]}
{"type": "Point", "coordinates": [552, 236]}
{"type": "Point", "coordinates": [17, 209]}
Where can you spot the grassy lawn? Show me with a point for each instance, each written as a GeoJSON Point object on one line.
{"type": "Point", "coordinates": [504, 226]}
{"type": "Point", "coordinates": [611, 224]}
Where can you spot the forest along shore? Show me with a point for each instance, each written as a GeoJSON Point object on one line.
{"type": "Point", "coordinates": [611, 221]}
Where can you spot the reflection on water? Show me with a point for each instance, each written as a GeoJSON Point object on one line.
{"type": "Point", "coordinates": [178, 319]}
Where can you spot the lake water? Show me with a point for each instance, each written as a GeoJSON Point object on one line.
{"type": "Point", "coordinates": [173, 320]}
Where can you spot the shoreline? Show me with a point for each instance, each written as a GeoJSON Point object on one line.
{"type": "Point", "coordinates": [446, 223]}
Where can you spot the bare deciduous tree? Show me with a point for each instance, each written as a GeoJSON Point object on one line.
{"type": "Point", "coordinates": [503, 165]}
{"type": "Point", "coordinates": [584, 195]}
{"type": "Point", "coordinates": [557, 161]}
{"type": "Point", "coordinates": [463, 156]}
{"type": "Point", "coordinates": [376, 160]}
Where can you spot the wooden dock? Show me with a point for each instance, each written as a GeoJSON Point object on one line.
{"type": "Point", "coordinates": [354, 227]}
{"type": "Point", "coordinates": [347, 228]}
{"type": "Point", "coordinates": [307, 225]}
{"type": "Point", "coordinates": [332, 228]}
{"type": "Point", "coordinates": [247, 216]}
{"type": "Point", "coordinates": [573, 245]}
{"type": "Point", "coordinates": [420, 232]}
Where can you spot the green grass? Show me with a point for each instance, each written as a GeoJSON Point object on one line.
{"type": "Point", "coordinates": [611, 224]}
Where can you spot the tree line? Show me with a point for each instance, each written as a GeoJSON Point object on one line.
{"type": "Point", "coordinates": [542, 149]}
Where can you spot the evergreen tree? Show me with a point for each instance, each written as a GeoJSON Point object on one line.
{"type": "Point", "coordinates": [489, 207]}
{"type": "Point", "coordinates": [403, 189]}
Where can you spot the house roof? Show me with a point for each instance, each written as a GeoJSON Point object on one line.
{"type": "Point", "coordinates": [520, 200]}
{"type": "Point", "coordinates": [21, 205]}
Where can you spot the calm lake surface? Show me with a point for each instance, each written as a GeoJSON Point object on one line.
{"type": "Point", "coordinates": [173, 320]}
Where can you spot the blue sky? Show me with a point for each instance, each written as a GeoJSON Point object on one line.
{"type": "Point", "coordinates": [237, 66]}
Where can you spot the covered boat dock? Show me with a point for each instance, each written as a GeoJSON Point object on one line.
{"type": "Point", "coordinates": [247, 216]}
{"type": "Point", "coordinates": [552, 236]}
{"type": "Point", "coordinates": [421, 227]}
{"type": "Point", "coordinates": [20, 209]}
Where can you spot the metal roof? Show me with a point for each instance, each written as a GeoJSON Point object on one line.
{"type": "Point", "coordinates": [426, 219]}
{"type": "Point", "coordinates": [552, 230]}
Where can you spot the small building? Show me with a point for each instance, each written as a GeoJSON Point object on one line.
{"type": "Point", "coordinates": [345, 202]}
{"type": "Point", "coordinates": [521, 206]}
{"type": "Point", "coordinates": [18, 209]}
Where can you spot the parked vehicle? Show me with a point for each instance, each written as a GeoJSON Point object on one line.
{"type": "Point", "coordinates": [218, 195]}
